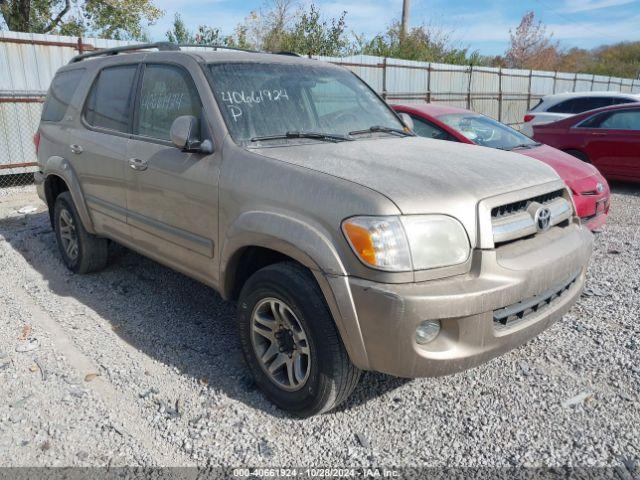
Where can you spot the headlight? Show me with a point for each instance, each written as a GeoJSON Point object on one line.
{"type": "Point", "coordinates": [436, 241]}
{"type": "Point", "coordinates": [412, 242]}
{"type": "Point", "coordinates": [379, 242]}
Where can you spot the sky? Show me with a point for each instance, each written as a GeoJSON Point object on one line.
{"type": "Point", "coordinates": [482, 25]}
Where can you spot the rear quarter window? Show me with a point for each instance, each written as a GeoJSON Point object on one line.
{"type": "Point", "coordinates": [62, 88]}
{"type": "Point", "coordinates": [537, 105]}
{"type": "Point", "coordinates": [110, 101]}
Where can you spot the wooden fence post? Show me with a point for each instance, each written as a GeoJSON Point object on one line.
{"type": "Point", "coordinates": [555, 80]}
{"type": "Point", "coordinates": [80, 46]}
{"type": "Point", "coordinates": [593, 81]}
{"type": "Point", "coordinates": [575, 81]}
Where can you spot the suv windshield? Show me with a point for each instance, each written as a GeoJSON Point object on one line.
{"type": "Point", "coordinates": [277, 102]}
{"type": "Point", "coordinates": [487, 132]}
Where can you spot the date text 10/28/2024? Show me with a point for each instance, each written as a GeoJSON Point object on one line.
{"type": "Point", "coordinates": [311, 472]}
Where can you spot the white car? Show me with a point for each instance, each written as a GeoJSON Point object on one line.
{"type": "Point", "coordinates": [552, 108]}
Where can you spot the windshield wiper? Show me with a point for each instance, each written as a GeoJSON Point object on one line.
{"type": "Point", "coordinates": [329, 137]}
{"type": "Point", "coordinates": [378, 128]}
{"type": "Point", "coordinates": [526, 145]}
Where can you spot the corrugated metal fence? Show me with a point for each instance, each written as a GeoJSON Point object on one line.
{"type": "Point", "coordinates": [28, 63]}
{"type": "Point", "coordinates": [504, 94]}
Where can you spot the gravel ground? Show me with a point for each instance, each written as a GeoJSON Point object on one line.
{"type": "Point", "coordinates": [139, 365]}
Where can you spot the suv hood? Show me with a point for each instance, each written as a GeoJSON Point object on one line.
{"type": "Point", "coordinates": [421, 175]}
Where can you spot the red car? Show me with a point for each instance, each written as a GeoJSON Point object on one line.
{"type": "Point", "coordinates": [590, 190]}
{"type": "Point", "coordinates": [608, 137]}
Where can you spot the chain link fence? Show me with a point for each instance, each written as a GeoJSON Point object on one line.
{"type": "Point", "coordinates": [19, 117]}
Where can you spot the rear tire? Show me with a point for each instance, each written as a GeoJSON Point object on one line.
{"type": "Point", "coordinates": [579, 155]}
{"type": "Point", "coordinates": [287, 294]}
{"type": "Point", "coordinates": [81, 251]}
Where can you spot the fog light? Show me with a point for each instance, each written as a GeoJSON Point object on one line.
{"type": "Point", "coordinates": [427, 331]}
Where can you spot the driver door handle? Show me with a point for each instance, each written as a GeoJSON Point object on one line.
{"type": "Point", "coordinates": [138, 164]}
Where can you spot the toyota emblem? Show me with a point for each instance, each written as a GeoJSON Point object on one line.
{"type": "Point", "coordinates": [543, 219]}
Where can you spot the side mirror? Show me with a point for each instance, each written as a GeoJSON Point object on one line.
{"type": "Point", "coordinates": [185, 134]}
{"type": "Point", "coordinates": [407, 120]}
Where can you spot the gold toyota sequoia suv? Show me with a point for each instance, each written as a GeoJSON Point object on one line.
{"type": "Point", "coordinates": [287, 185]}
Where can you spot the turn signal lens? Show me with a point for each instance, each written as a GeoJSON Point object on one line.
{"type": "Point", "coordinates": [379, 242]}
{"type": "Point", "coordinates": [528, 118]}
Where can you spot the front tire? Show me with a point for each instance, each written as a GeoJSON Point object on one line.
{"type": "Point", "coordinates": [81, 251]}
{"type": "Point", "coordinates": [291, 343]}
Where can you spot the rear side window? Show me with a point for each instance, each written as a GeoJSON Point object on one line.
{"type": "Point", "coordinates": [109, 104]}
{"type": "Point", "coordinates": [62, 89]}
{"type": "Point", "coordinates": [583, 104]}
{"type": "Point", "coordinates": [620, 101]}
{"type": "Point", "coordinates": [427, 129]}
{"type": "Point", "coordinates": [167, 93]}
{"type": "Point", "coordinates": [536, 106]}
{"type": "Point", "coordinates": [624, 120]}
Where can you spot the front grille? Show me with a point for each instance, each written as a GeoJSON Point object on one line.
{"type": "Point", "coordinates": [521, 205]}
{"type": "Point", "coordinates": [510, 316]}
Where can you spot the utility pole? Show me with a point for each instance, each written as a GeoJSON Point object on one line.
{"type": "Point", "coordinates": [404, 28]}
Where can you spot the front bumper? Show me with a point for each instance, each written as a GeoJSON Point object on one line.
{"type": "Point", "coordinates": [38, 179]}
{"type": "Point", "coordinates": [388, 314]}
{"type": "Point", "coordinates": [591, 206]}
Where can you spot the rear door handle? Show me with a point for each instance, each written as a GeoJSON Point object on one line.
{"type": "Point", "coordinates": [599, 134]}
{"type": "Point", "coordinates": [138, 164]}
{"type": "Point", "coordinates": [77, 149]}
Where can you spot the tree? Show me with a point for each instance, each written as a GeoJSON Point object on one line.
{"type": "Point", "coordinates": [620, 60]}
{"type": "Point", "coordinates": [179, 33]}
{"type": "Point", "coordinates": [422, 43]}
{"type": "Point", "coordinates": [204, 35]}
{"type": "Point", "coordinates": [531, 47]}
{"type": "Point", "coordinates": [575, 60]}
{"type": "Point", "coordinates": [118, 19]}
{"type": "Point", "coordinates": [311, 35]}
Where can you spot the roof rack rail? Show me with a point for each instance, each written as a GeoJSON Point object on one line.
{"type": "Point", "coordinates": [216, 47]}
{"type": "Point", "coordinates": [286, 52]}
{"type": "Point", "coordinates": [161, 46]}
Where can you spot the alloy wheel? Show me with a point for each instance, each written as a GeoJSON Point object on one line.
{"type": "Point", "coordinates": [280, 344]}
{"type": "Point", "coordinates": [68, 234]}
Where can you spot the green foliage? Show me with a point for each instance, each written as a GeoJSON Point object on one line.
{"type": "Point", "coordinates": [311, 35]}
{"type": "Point", "coordinates": [620, 60]}
{"type": "Point", "coordinates": [118, 19]}
{"type": "Point", "coordinates": [204, 35]}
{"type": "Point", "coordinates": [422, 43]}
{"type": "Point", "coordinates": [179, 32]}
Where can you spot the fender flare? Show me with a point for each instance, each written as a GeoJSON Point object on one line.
{"type": "Point", "coordinates": [61, 167]}
{"type": "Point", "coordinates": [313, 249]}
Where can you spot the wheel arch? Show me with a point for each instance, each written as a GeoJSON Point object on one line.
{"type": "Point", "coordinates": [59, 176]}
{"type": "Point", "coordinates": [258, 239]}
